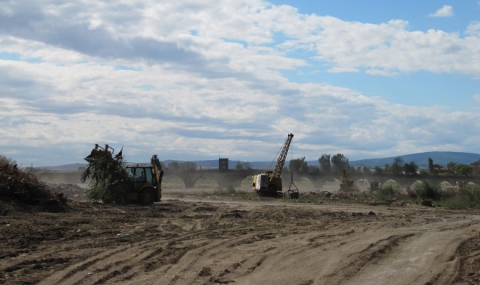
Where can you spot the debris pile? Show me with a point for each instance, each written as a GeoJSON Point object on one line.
{"type": "Point", "coordinates": [19, 186]}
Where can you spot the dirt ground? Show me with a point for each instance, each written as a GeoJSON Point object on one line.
{"type": "Point", "coordinates": [195, 239]}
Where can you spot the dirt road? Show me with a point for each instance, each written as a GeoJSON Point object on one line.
{"type": "Point", "coordinates": [264, 242]}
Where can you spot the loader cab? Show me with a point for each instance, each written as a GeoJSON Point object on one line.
{"type": "Point", "coordinates": [143, 184]}
{"type": "Point", "coordinates": [141, 175]}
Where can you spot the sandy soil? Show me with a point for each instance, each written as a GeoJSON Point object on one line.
{"type": "Point", "coordinates": [195, 241]}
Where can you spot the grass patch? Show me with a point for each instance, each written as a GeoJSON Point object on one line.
{"type": "Point", "coordinates": [464, 198]}
{"type": "Point", "coordinates": [308, 198]}
{"type": "Point", "coordinates": [318, 199]}
{"type": "Point", "coordinates": [386, 193]}
{"type": "Point", "coordinates": [234, 193]}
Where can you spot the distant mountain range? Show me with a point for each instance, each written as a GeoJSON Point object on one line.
{"type": "Point", "coordinates": [421, 159]}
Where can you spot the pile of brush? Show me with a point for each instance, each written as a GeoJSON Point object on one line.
{"type": "Point", "coordinates": [18, 186]}
{"type": "Point", "coordinates": [109, 180]}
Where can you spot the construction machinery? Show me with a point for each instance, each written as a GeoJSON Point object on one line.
{"type": "Point", "coordinates": [347, 184]}
{"type": "Point", "coordinates": [270, 183]}
{"type": "Point", "coordinates": [145, 184]}
{"type": "Point", "coordinates": [141, 183]}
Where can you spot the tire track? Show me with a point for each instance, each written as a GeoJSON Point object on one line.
{"type": "Point", "coordinates": [371, 254]}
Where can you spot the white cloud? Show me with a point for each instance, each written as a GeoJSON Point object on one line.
{"type": "Point", "coordinates": [473, 29]}
{"type": "Point", "coordinates": [445, 11]}
{"type": "Point", "coordinates": [195, 79]}
{"type": "Point", "coordinates": [476, 98]}
{"type": "Point", "coordinates": [389, 48]}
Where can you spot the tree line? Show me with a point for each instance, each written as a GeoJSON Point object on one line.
{"type": "Point", "coordinates": [335, 164]}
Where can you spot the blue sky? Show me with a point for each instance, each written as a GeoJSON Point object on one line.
{"type": "Point", "coordinates": [195, 79]}
{"type": "Point", "coordinates": [417, 13]}
{"type": "Point", "coordinates": [415, 88]}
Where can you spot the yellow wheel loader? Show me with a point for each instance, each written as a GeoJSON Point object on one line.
{"type": "Point", "coordinates": [113, 181]}
{"type": "Point", "coordinates": [145, 183]}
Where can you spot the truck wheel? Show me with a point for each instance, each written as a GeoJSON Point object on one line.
{"type": "Point", "coordinates": [146, 196]}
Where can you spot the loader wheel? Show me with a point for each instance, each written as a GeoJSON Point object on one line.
{"type": "Point", "coordinates": [146, 196]}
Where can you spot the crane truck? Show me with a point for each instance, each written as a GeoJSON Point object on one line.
{"type": "Point", "coordinates": [269, 183]}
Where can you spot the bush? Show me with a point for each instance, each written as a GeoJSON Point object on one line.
{"type": "Point", "coordinates": [412, 192]}
{"type": "Point", "coordinates": [386, 193]}
{"type": "Point", "coordinates": [228, 191]}
{"type": "Point", "coordinates": [427, 192]}
{"type": "Point", "coordinates": [467, 197]}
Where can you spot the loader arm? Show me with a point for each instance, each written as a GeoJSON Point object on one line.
{"type": "Point", "coordinates": [157, 169]}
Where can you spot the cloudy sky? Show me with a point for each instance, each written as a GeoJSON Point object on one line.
{"type": "Point", "coordinates": [200, 79]}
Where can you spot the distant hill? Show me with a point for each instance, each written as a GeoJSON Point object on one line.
{"type": "Point", "coordinates": [421, 159]}
{"type": "Point", "coordinates": [213, 164]}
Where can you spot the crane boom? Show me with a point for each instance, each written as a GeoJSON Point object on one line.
{"type": "Point", "coordinates": [277, 172]}
{"type": "Point", "coordinates": [269, 183]}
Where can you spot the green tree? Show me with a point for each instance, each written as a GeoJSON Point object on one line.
{"type": "Point", "coordinates": [378, 170]}
{"type": "Point", "coordinates": [243, 166]}
{"type": "Point", "coordinates": [239, 166]}
{"type": "Point", "coordinates": [430, 166]}
{"type": "Point", "coordinates": [386, 168]}
{"type": "Point", "coordinates": [366, 170]}
{"type": "Point", "coordinates": [451, 165]}
{"type": "Point", "coordinates": [325, 163]}
{"type": "Point", "coordinates": [174, 165]}
{"type": "Point", "coordinates": [188, 165]}
{"type": "Point", "coordinates": [463, 169]}
{"type": "Point", "coordinates": [476, 167]}
{"type": "Point", "coordinates": [397, 165]}
{"type": "Point", "coordinates": [339, 163]}
{"type": "Point", "coordinates": [298, 165]}
{"type": "Point", "coordinates": [351, 169]}
{"type": "Point", "coordinates": [427, 191]}
{"type": "Point", "coordinates": [410, 168]}
{"type": "Point", "coordinates": [247, 165]}
{"type": "Point", "coordinates": [313, 169]}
